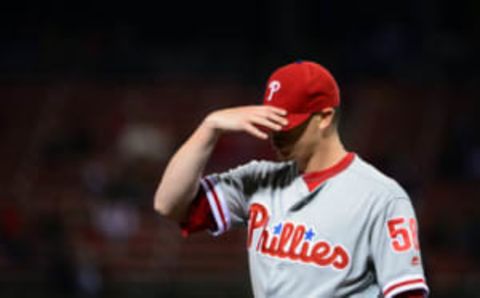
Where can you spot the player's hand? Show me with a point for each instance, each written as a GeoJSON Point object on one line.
{"type": "Point", "coordinates": [248, 119]}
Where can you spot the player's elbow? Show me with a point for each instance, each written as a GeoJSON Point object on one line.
{"type": "Point", "coordinates": [163, 206]}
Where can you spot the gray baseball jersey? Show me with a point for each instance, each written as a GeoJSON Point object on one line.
{"type": "Point", "coordinates": [348, 231]}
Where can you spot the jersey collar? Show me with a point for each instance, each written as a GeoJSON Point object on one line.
{"type": "Point", "coordinates": [314, 179]}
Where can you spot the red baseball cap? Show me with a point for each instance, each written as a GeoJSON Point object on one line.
{"type": "Point", "coordinates": [301, 88]}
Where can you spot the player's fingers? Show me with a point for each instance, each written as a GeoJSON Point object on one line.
{"type": "Point", "coordinates": [254, 131]}
{"type": "Point", "coordinates": [276, 110]}
{"type": "Point", "coordinates": [277, 119]}
{"type": "Point", "coordinates": [273, 113]}
{"type": "Point", "coordinates": [266, 123]}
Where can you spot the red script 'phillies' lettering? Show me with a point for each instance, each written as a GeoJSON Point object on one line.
{"type": "Point", "coordinates": [290, 243]}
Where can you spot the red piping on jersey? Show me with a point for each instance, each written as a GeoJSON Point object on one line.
{"type": "Point", "coordinates": [314, 179]}
{"type": "Point", "coordinates": [217, 202]}
{"type": "Point", "coordinates": [402, 284]}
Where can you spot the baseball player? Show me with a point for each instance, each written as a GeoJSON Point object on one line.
{"type": "Point", "coordinates": [321, 222]}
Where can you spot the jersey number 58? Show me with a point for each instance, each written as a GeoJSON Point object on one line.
{"type": "Point", "coordinates": [403, 234]}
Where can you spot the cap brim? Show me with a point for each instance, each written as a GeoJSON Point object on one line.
{"type": "Point", "coordinates": [295, 120]}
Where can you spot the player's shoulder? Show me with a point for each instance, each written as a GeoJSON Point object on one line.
{"type": "Point", "coordinates": [371, 179]}
{"type": "Point", "coordinates": [265, 168]}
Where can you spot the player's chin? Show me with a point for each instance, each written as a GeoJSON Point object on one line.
{"type": "Point", "coordinates": [283, 155]}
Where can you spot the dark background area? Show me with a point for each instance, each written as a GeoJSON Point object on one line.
{"type": "Point", "coordinates": [94, 99]}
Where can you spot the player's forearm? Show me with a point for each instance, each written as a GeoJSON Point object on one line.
{"type": "Point", "coordinates": [181, 178]}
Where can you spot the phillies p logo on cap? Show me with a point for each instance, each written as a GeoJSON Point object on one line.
{"type": "Point", "coordinates": [273, 87]}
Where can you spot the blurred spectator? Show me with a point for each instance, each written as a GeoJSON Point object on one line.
{"type": "Point", "coordinates": [56, 253]}
{"type": "Point", "coordinates": [141, 138]}
{"type": "Point", "coordinates": [95, 176]}
{"type": "Point", "coordinates": [13, 242]}
{"type": "Point", "coordinates": [139, 141]}
{"type": "Point", "coordinates": [116, 220]}
{"type": "Point", "coordinates": [88, 276]}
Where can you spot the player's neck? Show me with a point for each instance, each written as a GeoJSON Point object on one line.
{"type": "Point", "coordinates": [327, 153]}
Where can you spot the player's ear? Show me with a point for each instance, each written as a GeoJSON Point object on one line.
{"type": "Point", "coordinates": [326, 118]}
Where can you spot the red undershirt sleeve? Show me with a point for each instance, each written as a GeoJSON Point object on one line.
{"type": "Point", "coordinates": [199, 215]}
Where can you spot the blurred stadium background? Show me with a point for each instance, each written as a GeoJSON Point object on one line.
{"type": "Point", "coordinates": [94, 99]}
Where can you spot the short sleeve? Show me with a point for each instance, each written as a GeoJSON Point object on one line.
{"type": "Point", "coordinates": [395, 249]}
{"type": "Point", "coordinates": [223, 198]}
{"type": "Point", "coordinates": [228, 194]}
